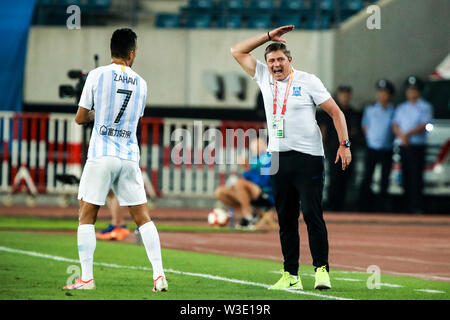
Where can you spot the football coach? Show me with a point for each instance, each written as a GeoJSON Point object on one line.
{"type": "Point", "coordinates": [290, 98]}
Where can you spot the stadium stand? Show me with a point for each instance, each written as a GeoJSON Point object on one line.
{"type": "Point", "coordinates": [233, 21]}
{"type": "Point", "coordinates": [233, 14]}
{"type": "Point", "coordinates": [198, 21]}
{"type": "Point", "coordinates": [288, 20]}
{"type": "Point", "coordinates": [292, 4]}
{"type": "Point", "coordinates": [261, 4]}
{"type": "Point", "coordinates": [259, 22]}
{"type": "Point", "coordinates": [231, 4]}
{"type": "Point", "coordinates": [167, 20]}
{"type": "Point", "coordinates": [53, 12]}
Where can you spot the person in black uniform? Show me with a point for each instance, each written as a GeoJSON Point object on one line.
{"type": "Point", "coordinates": [339, 180]}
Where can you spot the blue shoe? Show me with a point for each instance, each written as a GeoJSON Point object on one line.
{"type": "Point", "coordinates": [108, 229]}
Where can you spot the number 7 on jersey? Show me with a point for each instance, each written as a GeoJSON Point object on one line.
{"type": "Point", "coordinates": [125, 103]}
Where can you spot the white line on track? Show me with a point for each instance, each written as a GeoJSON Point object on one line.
{"type": "Point", "coordinates": [192, 274]}
{"type": "Point", "coordinates": [429, 290]}
{"type": "Point", "coordinates": [348, 279]}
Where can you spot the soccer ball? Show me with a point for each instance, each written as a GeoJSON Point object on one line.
{"type": "Point", "coordinates": [218, 217]}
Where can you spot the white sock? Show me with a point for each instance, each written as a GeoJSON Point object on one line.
{"type": "Point", "coordinates": [150, 238]}
{"type": "Point", "coordinates": [295, 276]}
{"type": "Point", "coordinates": [86, 247]}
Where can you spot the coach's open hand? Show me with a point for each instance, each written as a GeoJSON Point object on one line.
{"type": "Point", "coordinates": [276, 34]}
{"type": "Point", "coordinates": [345, 155]}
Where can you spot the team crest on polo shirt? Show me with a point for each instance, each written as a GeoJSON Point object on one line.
{"type": "Point", "coordinates": [296, 91]}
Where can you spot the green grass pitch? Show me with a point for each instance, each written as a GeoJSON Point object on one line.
{"type": "Point", "coordinates": [34, 266]}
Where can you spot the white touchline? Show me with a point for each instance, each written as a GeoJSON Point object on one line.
{"type": "Point", "coordinates": [348, 279]}
{"type": "Point", "coordinates": [391, 285]}
{"type": "Point", "coordinates": [192, 274]}
{"type": "Point", "coordinates": [429, 290]}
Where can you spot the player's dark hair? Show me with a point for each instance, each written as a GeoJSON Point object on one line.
{"type": "Point", "coordinates": [275, 46]}
{"type": "Point", "coordinates": [122, 42]}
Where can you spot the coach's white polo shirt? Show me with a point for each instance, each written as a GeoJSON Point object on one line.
{"type": "Point", "coordinates": [301, 130]}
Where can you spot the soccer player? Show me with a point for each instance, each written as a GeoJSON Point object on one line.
{"type": "Point", "coordinates": [290, 98]}
{"type": "Point", "coordinates": [118, 94]}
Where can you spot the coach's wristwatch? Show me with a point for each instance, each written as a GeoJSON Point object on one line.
{"type": "Point", "coordinates": [345, 143]}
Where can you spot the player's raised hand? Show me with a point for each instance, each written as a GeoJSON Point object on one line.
{"type": "Point", "coordinates": [276, 34]}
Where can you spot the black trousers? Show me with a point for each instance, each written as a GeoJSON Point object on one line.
{"type": "Point", "coordinates": [373, 156]}
{"type": "Point", "coordinates": [299, 182]}
{"type": "Point", "coordinates": [413, 164]}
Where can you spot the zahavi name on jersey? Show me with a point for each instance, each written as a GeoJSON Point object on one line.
{"type": "Point", "coordinates": [124, 79]}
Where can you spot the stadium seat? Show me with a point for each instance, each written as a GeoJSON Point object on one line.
{"type": "Point", "coordinates": [231, 4]}
{"type": "Point", "coordinates": [292, 4]}
{"type": "Point", "coordinates": [204, 4]}
{"type": "Point", "coordinates": [233, 21]}
{"type": "Point", "coordinates": [261, 4]}
{"type": "Point", "coordinates": [352, 5]}
{"type": "Point", "coordinates": [288, 20]}
{"type": "Point", "coordinates": [67, 2]}
{"type": "Point", "coordinates": [325, 21]}
{"type": "Point", "coordinates": [167, 20]}
{"type": "Point", "coordinates": [327, 5]}
{"type": "Point", "coordinates": [198, 21]}
{"type": "Point", "coordinates": [99, 4]}
{"type": "Point", "coordinates": [259, 22]}
{"type": "Point", "coordinates": [317, 23]}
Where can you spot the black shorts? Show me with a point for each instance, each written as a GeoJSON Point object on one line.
{"type": "Point", "coordinates": [262, 201]}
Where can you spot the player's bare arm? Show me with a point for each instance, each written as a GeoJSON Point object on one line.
{"type": "Point", "coordinates": [343, 153]}
{"type": "Point", "coordinates": [241, 51]}
{"type": "Point", "coordinates": [84, 116]}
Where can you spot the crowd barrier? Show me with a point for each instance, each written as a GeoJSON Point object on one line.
{"type": "Point", "coordinates": [39, 147]}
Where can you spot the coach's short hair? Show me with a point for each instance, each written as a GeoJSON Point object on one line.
{"type": "Point", "coordinates": [122, 42]}
{"type": "Point", "coordinates": [275, 46]}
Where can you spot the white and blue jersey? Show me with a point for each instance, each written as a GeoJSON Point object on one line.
{"type": "Point", "coordinates": [408, 116]}
{"type": "Point", "coordinates": [377, 122]}
{"type": "Point", "coordinates": [118, 95]}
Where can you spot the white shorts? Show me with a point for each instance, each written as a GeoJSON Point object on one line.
{"type": "Point", "coordinates": [105, 173]}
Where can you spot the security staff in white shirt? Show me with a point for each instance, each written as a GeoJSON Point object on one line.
{"type": "Point", "coordinates": [290, 98]}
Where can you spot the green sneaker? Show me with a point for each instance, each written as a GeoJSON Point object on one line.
{"type": "Point", "coordinates": [322, 279]}
{"type": "Point", "coordinates": [287, 282]}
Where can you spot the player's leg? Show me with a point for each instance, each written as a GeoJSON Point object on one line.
{"type": "Point", "coordinates": [86, 240]}
{"type": "Point", "coordinates": [113, 205]}
{"type": "Point", "coordinates": [245, 191]}
{"type": "Point", "coordinates": [287, 205]}
{"type": "Point", "coordinates": [310, 185]}
{"type": "Point", "coordinates": [119, 230]}
{"type": "Point", "coordinates": [288, 211]}
{"type": "Point", "coordinates": [227, 197]}
{"type": "Point", "coordinates": [129, 188]}
{"type": "Point", "coordinates": [150, 238]}
{"type": "Point", "coordinates": [94, 186]}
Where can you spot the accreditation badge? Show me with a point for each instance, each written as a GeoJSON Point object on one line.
{"type": "Point", "coordinates": [278, 127]}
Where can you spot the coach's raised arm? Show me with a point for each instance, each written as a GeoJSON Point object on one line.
{"type": "Point", "coordinates": [241, 51]}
